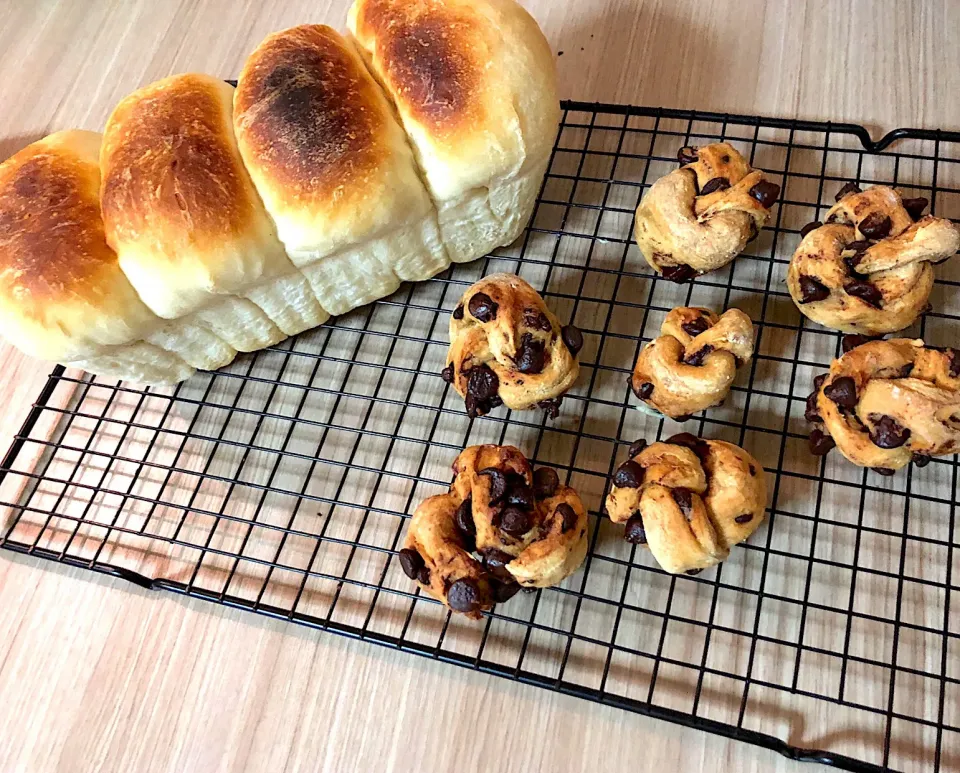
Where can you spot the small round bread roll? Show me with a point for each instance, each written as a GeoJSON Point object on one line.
{"type": "Point", "coordinates": [869, 268]}
{"type": "Point", "coordinates": [887, 403]}
{"type": "Point", "coordinates": [688, 500]}
{"type": "Point", "coordinates": [700, 217]}
{"type": "Point", "coordinates": [691, 366]}
{"type": "Point", "coordinates": [500, 527]}
{"type": "Point", "coordinates": [508, 348]}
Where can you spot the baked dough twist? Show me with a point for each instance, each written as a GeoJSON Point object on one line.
{"type": "Point", "coordinates": [701, 216]}
{"type": "Point", "coordinates": [507, 347]}
{"type": "Point", "coordinates": [887, 403]}
{"type": "Point", "coordinates": [528, 529]}
{"type": "Point", "coordinates": [688, 500]}
{"type": "Point", "coordinates": [869, 268]}
{"type": "Point", "coordinates": [694, 361]}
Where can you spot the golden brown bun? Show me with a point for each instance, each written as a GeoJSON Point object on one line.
{"type": "Point", "coordinates": [63, 296]}
{"type": "Point", "coordinates": [474, 83]}
{"type": "Point", "coordinates": [334, 168]}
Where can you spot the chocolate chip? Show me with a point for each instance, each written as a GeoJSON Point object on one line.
{"type": "Point", "coordinates": [636, 447]}
{"type": "Point", "coordinates": [411, 562]}
{"type": "Point", "coordinates": [573, 338]}
{"type": "Point", "coordinates": [888, 432]}
{"type": "Point", "coordinates": [753, 471]}
{"type": "Point", "coordinates": [812, 410]}
{"type": "Point", "coordinates": [447, 374]}
{"type": "Point", "coordinates": [852, 341]}
{"type": "Point", "coordinates": [482, 382]}
{"type": "Point", "coordinates": [885, 471]}
{"type": "Point", "coordinates": [503, 591]}
{"type": "Point", "coordinates": [628, 475]}
{"type": "Point", "coordinates": [843, 391]}
{"type": "Point", "coordinates": [495, 561]}
{"type": "Point", "coordinates": [464, 595]}
{"type": "Point", "coordinates": [685, 417]}
{"type": "Point", "coordinates": [691, 441]}
{"type": "Point", "coordinates": [645, 390]}
{"type": "Point", "coordinates": [812, 289]}
{"type": "Point", "coordinates": [458, 312]}
{"type": "Point", "coordinates": [635, 534]}
{"type": "Point", "coordinates": [905, 370]}
{"type": "Point", "coordinates": [821, 443]}
{"type": "Point", "coordinates": [545, 482]}
{"type": "Point", "coordinates": [687, 155]}
{"type": "Point", "coordinates": [684, 499]}
{"type": "Point", "coordinates": [679, 273]}
{"type": "Point", "coordinates": [498, 483]}
{"type": "Point", "coordinates": [423, 575]}
{"type": "Point", "coordinates": [695, 327]}
{"type": "Point", "coordinates": [858, 247]}
{"type": "Point", "coordinates": [818, 381]}
{"type": "Point", "coordinates": [953, 356]}
{"type": "Point", "coordinates": [921, 460]}
{"type": "Point", "coordinates": [531, 356]}
{"type": "Point", "coordinates": [482, 307]}
{"type": "Point", "coordinates": [714, 185]}
{"type": "Point", "coordinates": [754, 233]}
{"type": "Point", "coordinates": [698, 357]}
{"type": "Point", "coordinates": [551, 406]}
{"type": "Point", "coordinates": [514, 521]}
{"type": "Point", "coordinates": [847, 189]}
{"type": "Point", "coordinates": [875, 226]}
{"type": "Point", "coordinates": [745, 518]}
{"type": "Point", "coordinates": [537, 320]}
{"type": "Point", "coordinates": [464, 518]}
{"type": "Point", "coordinates": [866, 292]}
{"type": "Point", "coordinates": [520, 494]}
{"type": "Point", "coordinates": [915, 207]}
{"type": "Point", "coordinates": [766, 193]}
{"type": "Point", "coordinates": [693, 572]}
{"type": "Point", "coordinates": [810, 227]}
{"type": "Point", "coordinates": [569, 516]}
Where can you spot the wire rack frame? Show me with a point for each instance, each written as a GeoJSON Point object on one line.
{"type": "Point", "coordinates": [282, 483]}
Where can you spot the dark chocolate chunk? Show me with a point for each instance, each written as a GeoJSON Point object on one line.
{"type": "Point", "coordinates": [695, 327]}
{"type": "Point", "coordinates": [679, 274]}
{"type": "Point", "coordinates": [714, 185]}
{"type": "Point", "coordinates": [866, 292]}
{"type": "Point", "coordinates": [813, 226]}
{"type": "Point", "coordinates": [537, 320]}
{"type": "Point", "coordinates": [684, 499]}
{"type": "Point", "coordinates": [498, 483]}
{"type": "Point", "coordinates": [905, 371]}
{"type": "Point", "coordinates": [628, 475]}
{"type": "Point", "coordinates": [693, 572]}
{"type": "Point", "coordinates": [852, 341]}
{"type": "Point", "coordinates": [915, 207]}
{"type": "Point", "coordinates": [411, 562]}
{"type": "Point", "coordinates": [551, 406]}
{"type": "Point", "coordinates": [635, 533]}
{"type": "Point", "coordinates": [754, 233]}
{"type": "Point", "coordinates": [573, 338]}
{"type": "Point", "coordinates": [495, 561]}
{"type": "Point", "coordinates": [812, 410]}
{"type": "Point", "coordinates": [818, 381]}
{"type": "Point", "coordinates": [691, 441]}
{"type": "Point", "coordinates": [921, 460]}
{"type": "Point", "coordinates": [821, 443]}
{"type": "Point", "coordinates": [645, 390]}
{"type": "Point", "coordinates": [812, 289]}
{"type": "Point", "coordinates": [503, 591]}
{"type": "Point", "coordinates": [885, 471]}
{"type": "Point", "coordinates": [482, 382]}
{"type": "Point", "coordinates": [954, 362]}
{"type": "Point", "coordinates": [464, 518]}
{"type": "Point", "coordinates": [843, 391]}
{"type": "Point", "coordinates": [569, 516]}
{"type": "Point", "coordinates": [636, 447]}
{"type": "Point", "coordinates": [685, 417]}
{"type": "Point", "coordinates": [423, 575]}
{"type": "Point", "coordinates": [464, 595]}
{"type": "Point", "coordinates": [766, 193]}
{"type": "Point", "coordinates": [520, 494]}
{"type": "Point", "coordinates": [888, 432]}
{"type": "Point", "coordinates": [753, 471]}
{"type": "Point", "coordinates": [858, 247]}
{"type": "Point", "coordinates": [698, 357]}
{"type": "Point", "coordinates": [447, 374]}
{"type": "Point", "coordinates": [458, 312]}
{"type": "Point", "coordinates": [745, 518]}
{"type": "Point", "coordinates": [545, 482]}
{"type": "Point", "coordinates": [875, 226]}
{"type": "Point", "coordinates": [687, 155]}
{"type": "Point", "coordinates": [514, 521]}
{"type": "Point", "coordinates": [531, 356]}
{"type": "Point", "coordinates": [850, 187]}
{"type": "Point", "coordinates": [482, 307]}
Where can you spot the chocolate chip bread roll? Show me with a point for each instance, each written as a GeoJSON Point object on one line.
{"type": "Point", "coordinates": [334, 169]}
{"type": "Point", "coordinates": [188, 226]}
{"type": "Point", "coordinates": [63, 296]}
{"type": "Point", "coordinates": [474, 84]}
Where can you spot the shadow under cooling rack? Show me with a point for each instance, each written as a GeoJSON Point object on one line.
{"type": "Point", "coordinates": [282, 483]}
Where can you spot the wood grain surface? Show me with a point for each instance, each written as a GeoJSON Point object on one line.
{"type": "Point", "coordinates": [98, 676]}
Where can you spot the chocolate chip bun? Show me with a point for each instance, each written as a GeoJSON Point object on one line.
{"type": "Point", "coordinates": [692, 364]}
{"type": "Point", "coordinates": [886, 403]}
{"type": "Point", "coordinates": [508, 348]}
{"type": "Point", "coordinates": [701, 216]}
{"type": "Point", "coordinates": [689, 500]}
{"type": "Point", "coordinates": [500, 527]}
{"type": "Point", "coordinates": [869, 268]}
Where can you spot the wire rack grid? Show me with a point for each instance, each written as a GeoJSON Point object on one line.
{"type": "Point", "coordinates": [282, 483]}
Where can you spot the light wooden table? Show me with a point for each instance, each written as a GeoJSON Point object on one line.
{"type": "Point", "coordinates": [95, 675]}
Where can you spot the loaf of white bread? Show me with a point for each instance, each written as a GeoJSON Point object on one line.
{"type": "Point", "coordinates": [209, 220]}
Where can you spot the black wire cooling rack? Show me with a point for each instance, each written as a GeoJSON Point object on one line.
{"type": "Point", "coordinates": [282, 483]}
